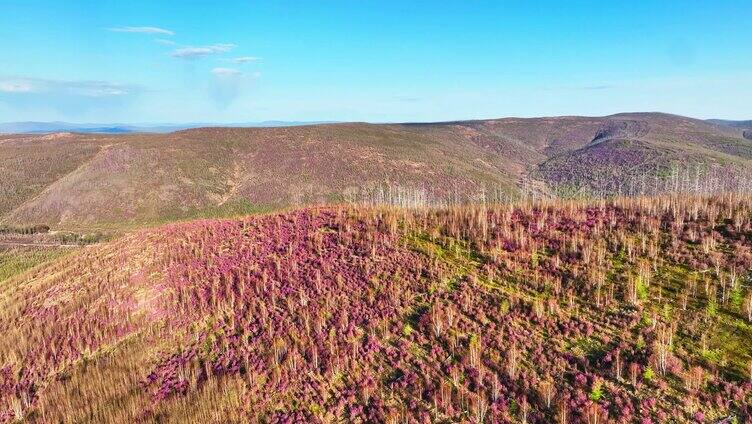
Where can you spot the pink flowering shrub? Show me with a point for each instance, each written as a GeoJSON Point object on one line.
{"type": "Point", "coordinates": [569, 312]}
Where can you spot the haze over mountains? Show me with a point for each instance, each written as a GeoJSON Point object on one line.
{"type": "Point", "coordinates": [52, 127]}
{"type": "Point", "coordinates": [728, 123]}
{"type": "Point", "coordinates": [32, 127]}
{"type": "Point", "coordinates": [65, 179]}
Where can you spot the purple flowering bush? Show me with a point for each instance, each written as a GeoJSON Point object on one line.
{"type": "Point", "coordinates": [626, 311]}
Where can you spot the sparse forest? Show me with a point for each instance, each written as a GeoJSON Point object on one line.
{"type": "Point", "coordinates": [627, 310]}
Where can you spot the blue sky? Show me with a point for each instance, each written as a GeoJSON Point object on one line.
{"type": "Point", "coordinates": [141, 62]}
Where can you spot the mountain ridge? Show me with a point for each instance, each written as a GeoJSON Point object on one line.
{"type": "Point", "coordinates": [46, 127]}
{"type": "Point", "coordinates": [67, 179]}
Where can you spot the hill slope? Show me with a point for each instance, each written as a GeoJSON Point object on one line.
{"type": "Point", "coordinates": [636, 309]}
{"type": "Point", "coordinates": [70, 180]}
{"type": "Point", "coordinates": [746, 126]}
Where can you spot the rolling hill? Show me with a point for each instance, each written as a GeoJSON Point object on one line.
{"type": "Point", "coordinates": [69, 180]}
{"type": "Point", "coordinates": [745, 126]}
{"type": "Point", "coordinates": [633, 311]}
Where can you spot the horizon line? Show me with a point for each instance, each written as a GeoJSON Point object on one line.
{"type": "Point", "coordinates": [328, 121]}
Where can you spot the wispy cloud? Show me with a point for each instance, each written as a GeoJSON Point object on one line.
{"type": "Point", "coordinates": [165, 42]}
{"type": "Point", "coordinates": [226, 72]}
{"type": "Point", "coordinates": [143, 30]}
{"type": "Point", "coordinates": [71, 99]}
{"type": "Point", "coordinates": [195, 52]}
{"type": "Point", "coordinates": [228, 84]}
{"type": "Point", "coordinates": [245, 59]}
{"type": "Point", "coordinates": [233, 73]}
{"type": "Point", "coordinates": [15, 85]}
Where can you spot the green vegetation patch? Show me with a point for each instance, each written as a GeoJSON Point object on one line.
{"type": "Point", "coordinates": [458, 257]}
{"type": "Point", "coordinates": [727, 334]}
{"type": "Point", "coordinates": [230, 209]}
{"type": "Point", "coordinates": [16, 261]}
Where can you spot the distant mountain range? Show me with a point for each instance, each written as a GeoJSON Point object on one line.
{"type": "Point", "coordinates": [33, 127]}
{"type": "Point", "coordinates": [735, 124]}
{"type": "Point", "coordinates": [53, 127]}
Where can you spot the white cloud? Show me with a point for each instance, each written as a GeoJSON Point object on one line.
{"type": "Point", "coordinates": [73, 99]}
{"type": "Point", "coordinates": [233, 73]}
{"type": "Point", "coordinates": [143, 30]}
{"type": "Point", "coordinates": [103, 91]}
{"type": "Point", "coordinates": [165, 42]}
{"type": "Point", "coordinates": [194, 52]}
{"type": "Point", "coordinates": [17, 86]}
{"type": "Point", "coordinates": [226, 72]}
{"type": "Point", "coordinates": [21, 86]}
{"type": "Point", "coordinates": [245, 59]}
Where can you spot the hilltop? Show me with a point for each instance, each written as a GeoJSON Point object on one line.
{"type": "Point", "coordinates": [70, 180]}
{"type": "Point", "coordinates": [633, 310]}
